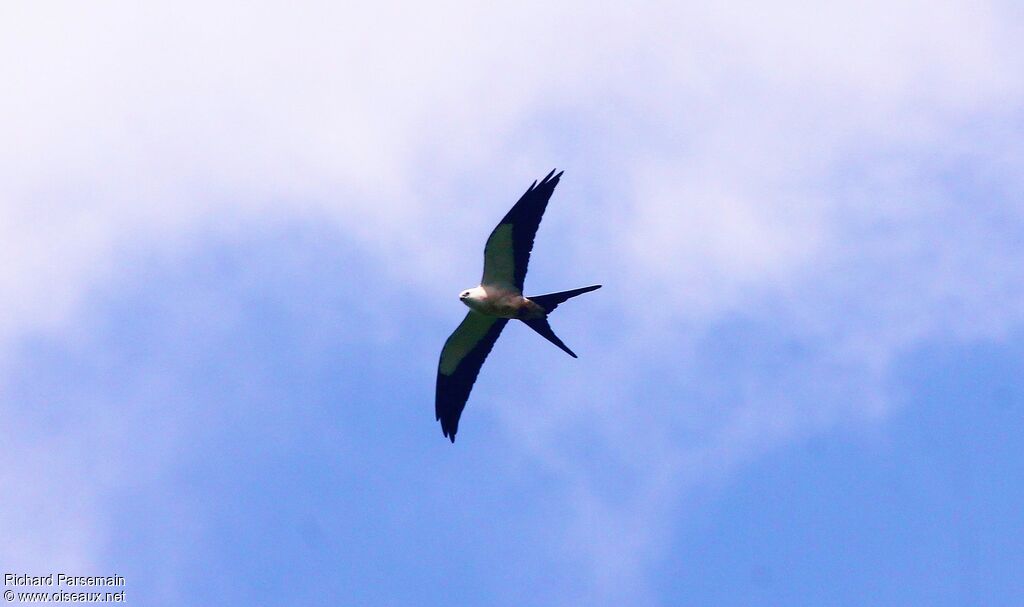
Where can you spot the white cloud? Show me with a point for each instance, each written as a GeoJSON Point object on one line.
{"type": "Point", "coordinates": [135, 122]}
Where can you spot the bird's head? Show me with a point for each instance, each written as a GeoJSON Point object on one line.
{"type": "Point", "coordinates": [472, 297]}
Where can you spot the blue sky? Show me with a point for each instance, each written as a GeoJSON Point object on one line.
{"type": "Point", "coordinates": [236, 238]}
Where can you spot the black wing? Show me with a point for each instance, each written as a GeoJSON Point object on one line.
{"type": "Point", "coordinates": [461, 358]}
{"type": "Point", "coordinates": [507, 252]}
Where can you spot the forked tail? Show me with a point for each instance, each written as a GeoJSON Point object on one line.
{"type": "Point", "coordinates": [550, 301]}
{"type": "Point", "coordinates": [541, 326]}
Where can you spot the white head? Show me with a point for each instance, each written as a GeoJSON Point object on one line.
{"type": "Point", "coordinates": [473, 297]}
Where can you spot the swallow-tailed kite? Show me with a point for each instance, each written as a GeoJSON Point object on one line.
{"type": "Point", "coordinates": [498, 299]}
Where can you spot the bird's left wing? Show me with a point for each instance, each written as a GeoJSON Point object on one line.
{"type": "Point", "coordinates": [507, 252]}
{"type": "Point", "coordinates": [460, 363]}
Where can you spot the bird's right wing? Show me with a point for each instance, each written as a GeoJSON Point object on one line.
{"type": "Point", "coordinates": [507, 252]}
{"type": "Point", "coordinates": [461, 358]}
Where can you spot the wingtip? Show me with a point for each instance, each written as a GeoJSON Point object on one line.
{"type": "Point", "coordinates": [552, 178]}
{"type": "Point", "coordinates": [549, 179]}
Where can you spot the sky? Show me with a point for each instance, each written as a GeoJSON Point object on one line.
{"type": "Point", "coordinates": [235, 234]}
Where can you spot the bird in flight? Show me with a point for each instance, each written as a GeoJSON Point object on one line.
{"type": "Point", "coordinates": [498, 299]}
